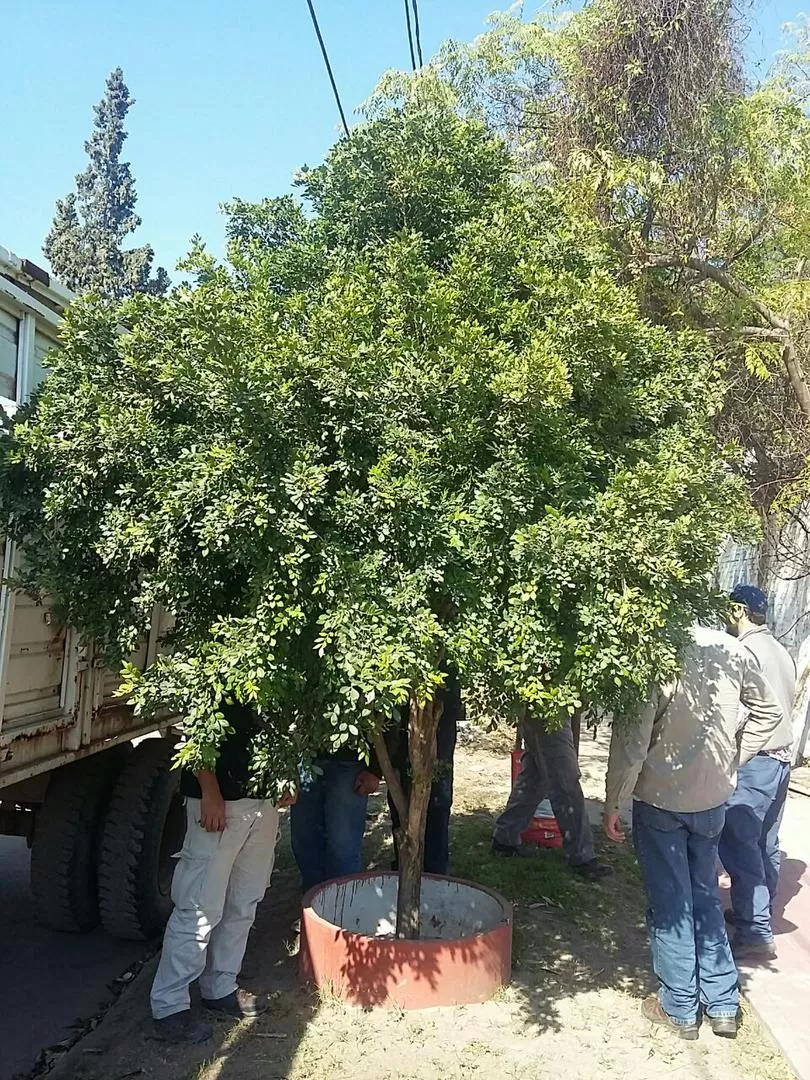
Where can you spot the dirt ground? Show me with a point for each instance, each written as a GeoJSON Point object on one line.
{"type": "Point", "coordinates": [580, 967]}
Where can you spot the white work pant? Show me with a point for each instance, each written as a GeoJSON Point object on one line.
{"type": "Point", "coordinates": [219, 879]}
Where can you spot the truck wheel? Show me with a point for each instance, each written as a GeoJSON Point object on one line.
{"type": "Point", "coordinates": [65, 845]}
{"type": "Point", "coordinates": [143, 828]}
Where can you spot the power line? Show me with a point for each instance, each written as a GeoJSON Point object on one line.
{"type": "Point", "coordinates": [416, 32]}
{"type": "Point", "coordinates": [410, 34]}
{"type": "Point", "coordinates": [328, 65]}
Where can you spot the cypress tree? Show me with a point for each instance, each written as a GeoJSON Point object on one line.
{"type": "Point", "coordinates": [84, 246]}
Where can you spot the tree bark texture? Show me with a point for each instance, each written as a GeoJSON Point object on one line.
{"type": "Point", "coordinates": [423, 720]}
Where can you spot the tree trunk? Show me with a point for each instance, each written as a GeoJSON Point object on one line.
{"type": "Point", "coordinates": [576, 729]}
{"type": "Point", "coordinates": [422, 725]}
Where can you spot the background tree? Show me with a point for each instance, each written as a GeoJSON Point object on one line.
{"type": "Point", "coordinates": [89, 227]}
{"type": "Point", "coordinates": [640, 111]}
{"type": "Point", "coordinates": [423, 424]}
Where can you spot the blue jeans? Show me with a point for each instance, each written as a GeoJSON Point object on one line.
{"type": "Point", "coordinates": [328, 821]}
{"type": "Point", "coordinates": [749, 846]}
{"type": "Point", "coordinates": [690, 951]}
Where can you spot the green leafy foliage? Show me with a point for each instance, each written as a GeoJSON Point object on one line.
{"type": "Point", "coordinates": [423, 422]}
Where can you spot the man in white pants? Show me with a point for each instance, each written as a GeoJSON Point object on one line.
{"type": "Point", "coordinates": [221, 875]}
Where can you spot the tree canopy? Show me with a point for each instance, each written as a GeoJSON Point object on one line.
{"type": "Point", "coordinates": [420, 421]}
{"type": "Point", "coordinates": [90, 225]}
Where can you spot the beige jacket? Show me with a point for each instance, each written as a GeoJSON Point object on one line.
{"type": "Point", "coordinates": [777, 665]}
{"type": "Point", "coordinates": [684, 752]}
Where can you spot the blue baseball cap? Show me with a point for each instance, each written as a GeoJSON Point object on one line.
{"type": "Point", "coordinates": [753, 598]}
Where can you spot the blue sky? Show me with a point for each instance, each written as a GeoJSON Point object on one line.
{"type": "Point", "coordinates": [230, 99]}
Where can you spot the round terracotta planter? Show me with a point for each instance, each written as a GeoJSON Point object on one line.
{"type": "Point", "coordinates": [348, 945]}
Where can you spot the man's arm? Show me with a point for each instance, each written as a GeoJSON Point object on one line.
{"type": "Point", "coordinates": [763, 711]}
{"type": "Point", "coordinates": [368, 780]}
{"type": "Point", "coordinates": [629, 746]}
{"type": "Point", "coordinates": [212, 805]}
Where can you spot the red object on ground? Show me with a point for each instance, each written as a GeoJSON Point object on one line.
{"type": "Point", "coordinates": [348, 944]}
{"type": "Point", "coordinates": [543, 828]}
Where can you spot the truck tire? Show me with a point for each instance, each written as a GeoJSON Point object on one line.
{"type": "Point", "coordinates": [143, 828]}
{"type": "Point", "coordinates": [65, 845]}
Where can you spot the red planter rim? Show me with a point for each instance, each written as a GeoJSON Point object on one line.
{"type": "Point", "coordinates": [506, 907]}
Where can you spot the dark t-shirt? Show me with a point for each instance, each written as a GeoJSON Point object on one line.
{"type": "Point", "coordinates": [233, 763]}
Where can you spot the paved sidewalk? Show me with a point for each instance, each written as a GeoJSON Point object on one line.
{"type": "Point", "coordinates": [779, 991]}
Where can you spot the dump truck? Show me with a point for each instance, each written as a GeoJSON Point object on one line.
{"type": "Point", "coordinates": [89, 784]}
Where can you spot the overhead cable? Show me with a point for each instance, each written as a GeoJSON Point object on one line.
{"type": "Point", "coordinates": [417, 35]}
{"type": "Point", "coordinates": [328, 66]}
{"type": "Point", "coordinates": [410, 33]}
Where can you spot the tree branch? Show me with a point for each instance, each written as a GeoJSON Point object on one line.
{"type": "Point", "coordinates": [391, 776]}
{"type": "Point", "coordinates": [720, 277]}
{"type": "Point", "coordinates": [750, 333]}
{"type": "Point", "coordinates": [790, 357]}
{"type": "Point", "coordinates": [762, 333]}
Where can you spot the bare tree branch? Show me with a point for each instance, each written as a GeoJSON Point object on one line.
{"type": "Point", "coordinates": [790, 357]}
{"type": "Point", "coordinates": [751, 333]}
{"type": "Point", "coordinates": [720, 277]}
{"type": "Point", "coordinates": [762, 333]}
{"type": "Point", "coordinates": [391, 776]}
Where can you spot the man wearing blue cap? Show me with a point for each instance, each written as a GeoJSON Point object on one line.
{"type": "Point", "coordinates": [749, 845]}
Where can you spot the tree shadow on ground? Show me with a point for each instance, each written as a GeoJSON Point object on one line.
{"type": "Point", "coordinates": [570, 937]}
{"type": "Point", "coordinates": [574, 942]}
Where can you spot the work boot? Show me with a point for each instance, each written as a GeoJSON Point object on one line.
{"type": "Point", "coordinates": [652, 1010]}
{"type": "Point", "coordinates": [181, 1028]}
{"type": "Point", "coordinates": [241, 1004]}
{"type": "Point", "coordinates": [753, 950]}
{"type": "Point", "coordinates": [510, 851]}
{"type": "Point", "coordinates": [724, 1026]}
{"type": "Point", "coordinates": [592, 870]}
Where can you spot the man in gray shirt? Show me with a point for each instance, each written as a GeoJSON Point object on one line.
{"type": "Point", "coordinates": [749, 846]}
{"type": "Point", "coordinates": [679, 760]}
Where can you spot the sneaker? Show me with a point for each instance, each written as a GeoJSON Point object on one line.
{"type": "Point", "coordinates": [724, 1026]}
{"type": "Point", "coordinates": [241, 1004]}
{"type": "Point", "coordinates": [753, 950]}
{"type": "Point", "coordinates": [652, 1010]}
{"type": "Point", "coordinates": [182, 1028]}
{"type": "Point", "coordinates": [509, 851]}
{"type": "Point", "coordinates": [592, 870]}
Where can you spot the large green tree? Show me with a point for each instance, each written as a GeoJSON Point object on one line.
{"type": "Point", "coordinates": [84, 246]}
{"type": "Point", "coordinates": [423, 423]}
